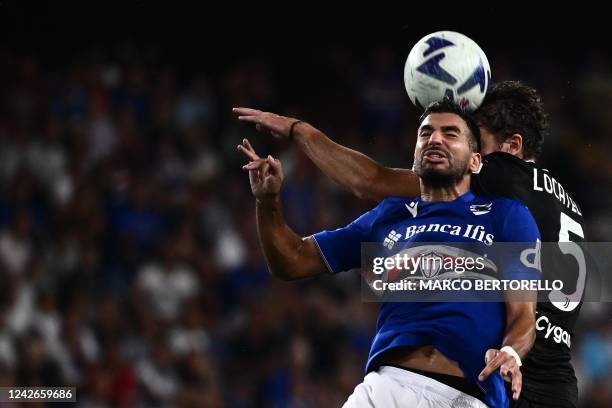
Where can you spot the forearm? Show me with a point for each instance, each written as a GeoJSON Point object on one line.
{"type": "Point", "coordinates": [287, 255]}
{"type": "Point", "coordinates": [357, 172]}
{"type": "Point", "coordinates": [520, 326]}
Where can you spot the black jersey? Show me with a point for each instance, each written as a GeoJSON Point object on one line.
{"type": "Point", "coordinates": [548, 376]}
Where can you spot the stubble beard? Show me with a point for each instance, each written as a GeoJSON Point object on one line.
{"type": "Point", "coordinates": [441, 178]}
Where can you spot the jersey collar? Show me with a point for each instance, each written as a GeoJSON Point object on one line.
{"type": "Point", "coordinates": [466, 197]}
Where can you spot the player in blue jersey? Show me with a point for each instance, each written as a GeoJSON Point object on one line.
{"type": "Point", "coordinates": [513, 124]}
{"type": "Point", "coordinates": [424, 354]}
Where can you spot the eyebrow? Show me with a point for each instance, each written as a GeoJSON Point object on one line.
{"type": "Point", "coordinates": [448, 128]}
{"type": "Point", "coordinates": [451, 128]}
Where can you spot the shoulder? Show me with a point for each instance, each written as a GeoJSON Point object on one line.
{"type": "Point", "coordinates": [394, 201]}
{"type": "Point", "coordinates": [499, 163]}
{"type": "Point", "coordinates": [389, 208]}
{"type": "Point", "coordinates": [392, 204]}
{"type": "Point", "coordinates": [502, 174]}
{"type": "Point", "coordinates": [512, 219]}
{"type": "Point", "coordinates": [384, 210]}
{"type": "Point", "coordinates": [503, 158]}
{"type": "Point", "coordinates": [495, 199]}
{"type": "Point", "coordinates": [499, 206]}
{"type": "Point", "coordinates": [506, 203]}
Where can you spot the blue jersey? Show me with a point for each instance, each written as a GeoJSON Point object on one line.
{"type": "Point", "coordinates": [461, 331]}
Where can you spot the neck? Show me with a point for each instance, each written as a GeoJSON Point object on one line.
{"type": "Point", "coordinates": [445, 193]}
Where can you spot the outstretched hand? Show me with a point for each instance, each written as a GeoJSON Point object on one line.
{"type": "Point", "coordinates": [277, 125]}
{"type": "Point", "coordinates": [508, 368]}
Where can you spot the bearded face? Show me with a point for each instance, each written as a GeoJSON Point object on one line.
{"type": "Point", "coordinates": [442, 155]}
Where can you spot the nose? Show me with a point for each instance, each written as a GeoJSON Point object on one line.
{"type": "Point", "coordinates": [435, 139]}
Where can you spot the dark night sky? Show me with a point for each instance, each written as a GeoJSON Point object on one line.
{"type": "Point", "coordinates": [533, 28]}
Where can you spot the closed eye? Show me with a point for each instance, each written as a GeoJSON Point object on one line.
{"type": "Point", "coordinates": [452, 131]}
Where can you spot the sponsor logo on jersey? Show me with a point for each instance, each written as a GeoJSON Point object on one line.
{"type": "Point", "coordinates": [475, 232]}
{"type": "Point", "coordinates": [552, 332]}
{"type": "Point", "coordinates": [391, 239]}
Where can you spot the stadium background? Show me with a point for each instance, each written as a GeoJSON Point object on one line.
{"type": "Point", "coordinates": [129, 263]}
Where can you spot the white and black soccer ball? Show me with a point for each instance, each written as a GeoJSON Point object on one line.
{"type": "Point", "coordinates": [447, 64]}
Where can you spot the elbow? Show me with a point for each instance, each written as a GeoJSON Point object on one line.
{"type": "Point", "coordinates": [281, 274]}
{"type": "Point", "coordinates": [287, 272]}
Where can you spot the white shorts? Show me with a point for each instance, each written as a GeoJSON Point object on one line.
{"type": "Point", "coordinates": [391, 387]}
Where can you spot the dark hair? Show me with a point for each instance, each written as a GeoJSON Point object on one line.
{"type": "Point", "coordinates": [512, 107]}
{"type": "Point", "coordinates": [446, 105]}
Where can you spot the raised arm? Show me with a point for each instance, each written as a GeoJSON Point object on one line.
{"type": "Point", "coordinates": [358, 173]}
{"type": "Point", "coordinates": [287, 255]}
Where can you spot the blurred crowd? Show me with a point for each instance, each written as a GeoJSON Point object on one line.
{"type": "Point", "coordinates": [129, 261]}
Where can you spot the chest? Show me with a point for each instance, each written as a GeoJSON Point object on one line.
{"type": "Point", "coordinates": [437, 223]}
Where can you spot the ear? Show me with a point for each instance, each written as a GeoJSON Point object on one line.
{"type": "Point", "coordinates": [475, 162]}
{"type": "Point", "coordinates": [514, 145]}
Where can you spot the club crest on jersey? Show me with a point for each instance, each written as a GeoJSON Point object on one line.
{"type": "Point", "coordinates": [431, 263]}
{"type": "Point", "coordinates": [481, 209]}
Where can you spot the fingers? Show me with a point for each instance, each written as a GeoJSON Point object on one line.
{"type": "Point", "coordinates": [493, 364]}
{"type": "Point", "coordinates": [254, 177]}
{"type": "Point", "coordinates": [251, 119]}
{"type": "Point", "coordinates": [246, 111]}
{"type": "Point", "coordinates": [275, 165]}
{"type": "Point", "coordinates": [264, 165]}
{"type": "Point", "coordinates": [257, 164]}
{"type": "Point", "coordinates": [246, 149]}
{"type": "Point", "coordinates": [512, 370]}
{"type": "Point", "coordinates": [517, 384]}
{"type": "Point", "coordinates": [267, 122]}
{"type": "Point", "coordinates": [490, 354]}
{"type": "Point", "coordinates": [247, 144]}
{"type": "Point", "coordinates": [508, 368]}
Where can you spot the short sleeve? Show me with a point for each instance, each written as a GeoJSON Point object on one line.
{"type": "Point", "coordinates": [341, 248]}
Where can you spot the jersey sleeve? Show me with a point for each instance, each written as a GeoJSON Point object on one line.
{"type": "Point", "coordinates": [520, 245]}
{"type": "Point", "coordinates": [341, 248]}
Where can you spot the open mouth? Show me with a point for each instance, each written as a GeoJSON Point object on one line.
{"type": "Point", "coordinates": [434, 156]}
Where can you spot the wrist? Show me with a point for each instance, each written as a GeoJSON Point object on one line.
{"type": "Point", "coordinates": [268, 200]}
{"type": "Point", "coordinates": [510, 350]}
{"type": "Point", "coordinates": [294, 129]}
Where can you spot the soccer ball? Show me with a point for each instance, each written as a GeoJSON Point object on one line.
{"type": "Point", "coordinates": [447, 64]}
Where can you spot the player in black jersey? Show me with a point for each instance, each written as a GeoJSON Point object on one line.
{"type": "Point", "coordinates": [513, 124]}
